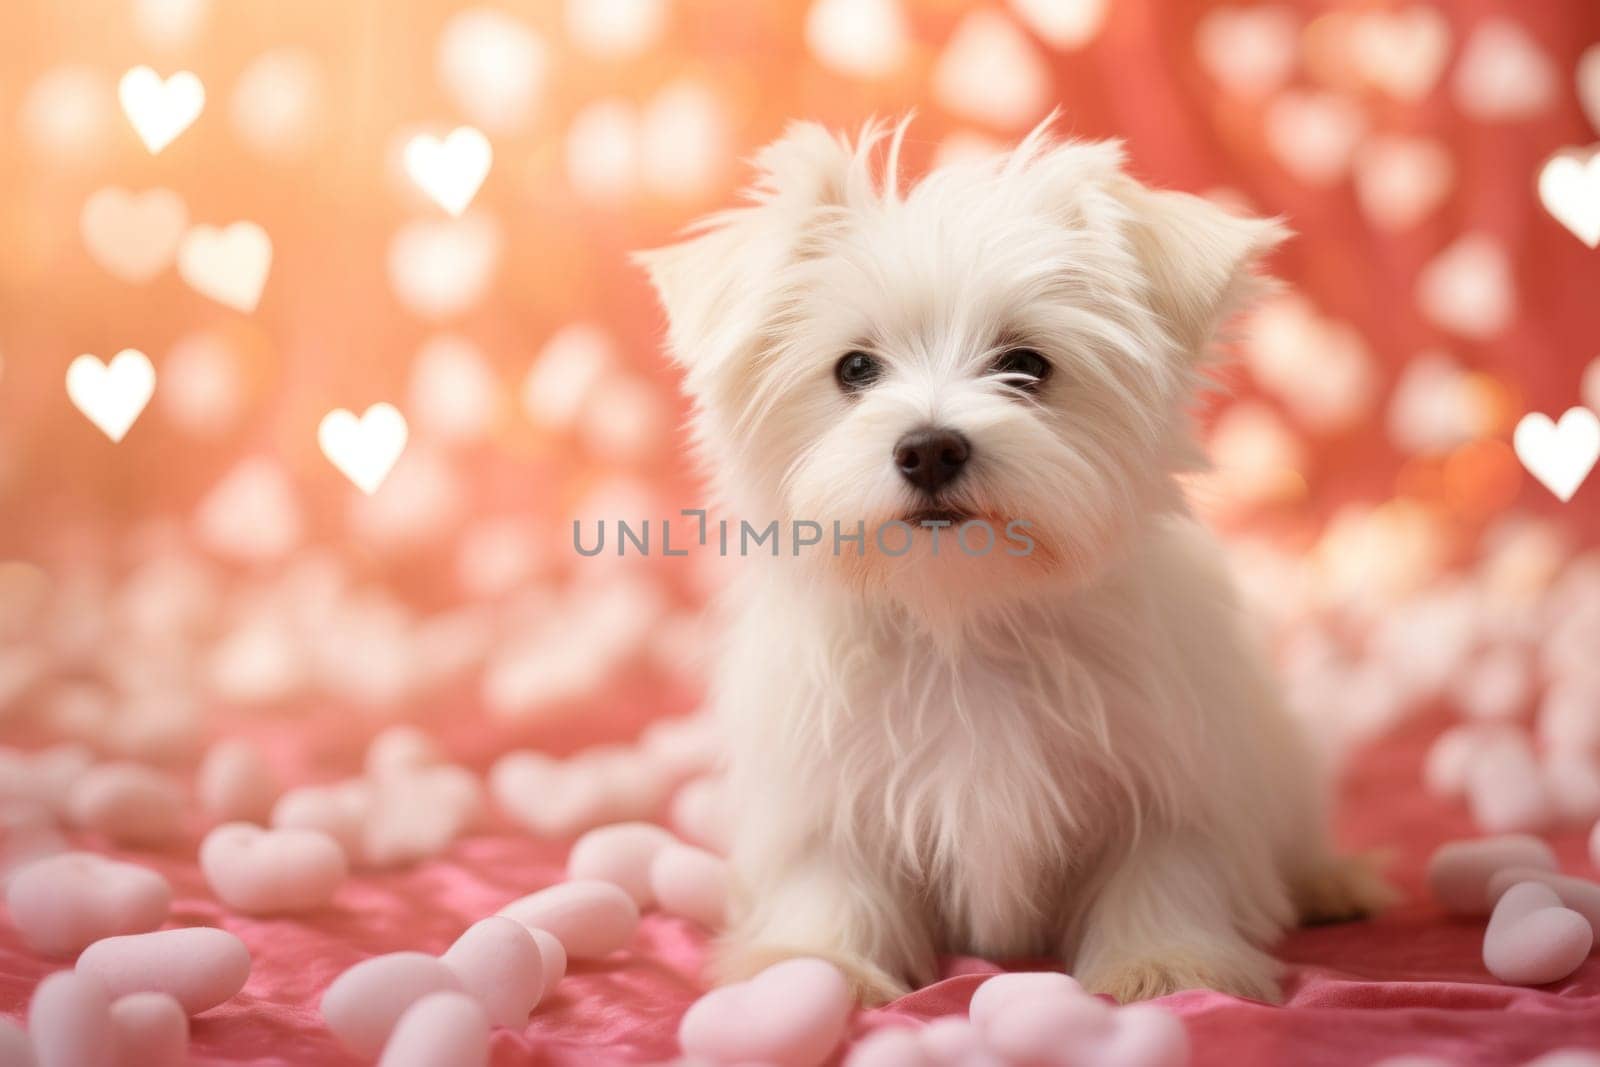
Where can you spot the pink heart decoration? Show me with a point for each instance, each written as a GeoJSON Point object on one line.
{"type": "Point", "coordinates": [1506, 788]}
{"type": "Point", "coordinates": [339, 810]}
{"type": "Point", "coordinates": [1532, 939]}
{"type": "Point", "coordinates": [399, 751]}
{"type": "Point", "coordinates": [417, 814]}
{"type": "Point", "coordinates": [1449, 761]}
{"type": "Point", "coordinates": [590, 918]}
{"type": "Point", "coordinates": [793, 1014]}
{"type": "Point", "coordinates": [499, 962]}
{"type": "Point", "coordinates": [69, 1020]}
{"type": "Point", "coordinates": [128, 803]}
{"type": "Point", "coordinates": [62, 904]}
{"type": "Point", "coordinates": [266, 872]}
{"type": "Point", "coordinates": [1053, 1030]}
{"type": "Point", "coordinates": [700, 814]}
{"type": "Point", "coordinates": [235, 784]}
{"type": "Point", "coordinates": [364, 1003]}
{"type": "Point", "coordinates": [440, 1028]}
{"type": "Point", "coordinates": [620, 854]}
{"type": "Point", "coordinates": [150, 1030]}
{"type": "Point", "coordinates": [1047, 1018]}
{"type": "Point", "coordinates": [1459, 872]}
{"type": "Point", "coordinates": [1249, 51]}
{"type": "Point", "coordinates": [897, 1046]}
{"type": "Point", "coordinates": [948, 1042]}
{"type": "Point", "coordinates": [1143, 1035]}
{"type": "Point", "coordinates": [956, 1041]}
{"type": "Point", "coordinates": [690, 882]}
{"type": "Point", "coordinates": [552, 798]}
{"type": "Point", "coordinates": [990, 998]}
{"type": "Point", "coordinates": [1578, 894]}
{"type": "Point", "coordinates": [198, 966]}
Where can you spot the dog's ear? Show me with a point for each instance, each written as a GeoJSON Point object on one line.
{"type": "Point", "coordinates": [1201, 262]}
{"type": "Point", "coordinates": [696, 281]}
{"type": "Point", "coordinates": [717, 284]}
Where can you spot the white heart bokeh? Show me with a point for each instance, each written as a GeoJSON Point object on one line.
{"type": "Point", "coordinates": [228, 264]}
{"type": "Point", "coordinates": [493, 66]}
{"type": "Point", "coordinates": [857, 38]}
{"type": "Point", "coordinates": [450, 170]}
{"type": "Point", "coordinates": [1400, 180]}
{"type": "Point", "coordinates": [134, 236]}
{"type": "Point", "coordinates": [160, 109]}
{"type": "Point", "coordinates": [991, 72]}
{"type": "Point", "coordinates": [675, 147]}
{"type": "Point", "coordinates": [363, 449]}
{"type": "Point", "coordinates": [112, 395]}
{"type": "Point", "coordinates": [1064, 24]}
{"type": "Point", "coordinates": [1569, 188]}
{"type": "Point", "coordinates": [565, 374]}
{"type": "Point", "coordinates": [615, 29]}
{"type": "Point", "coordinates": [441, 267]}
{"type": "Point", "coordinates": [1467, 288]}
{"type": "Point", "coordinates": [1320, 367]}
{"type": "Point", "coordinates": [454, 392]}
{"type": "Point", "coordinates": [202, 387]}
{"type": "Point", "coordinates": [1250, 52]}
{"type": "Point", "coordinates": [252, 513]}
{"type": "Point", "coordinates": [1503, 75]}
{"type": "Point", "coordinates": [1401, 52]}
{"type": "Point", "coordinates": [1436, 406]}
{"type": "Point", "coordinates": [1559, 454]}
{"type": "Point", "coordinates": [169, 24]}
{"type": "Point", "coordinates": [1314, 135]}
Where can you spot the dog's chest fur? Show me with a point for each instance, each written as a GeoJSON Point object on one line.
{"type": "Point", "coordinates": [998, 786]}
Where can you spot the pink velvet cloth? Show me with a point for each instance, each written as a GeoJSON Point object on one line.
{"type": "Point", "coordinates": [1410, 982]}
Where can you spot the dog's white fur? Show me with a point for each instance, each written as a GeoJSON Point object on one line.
{"type": "Point", "coordinates": [1077, 753]}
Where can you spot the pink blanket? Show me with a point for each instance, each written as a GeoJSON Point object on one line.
{"type": "Point", "coordinates": [1409, 982]}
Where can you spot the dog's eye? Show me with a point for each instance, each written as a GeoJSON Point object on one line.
{"type": "Point", "coordinates": [1022, 368]}
{"type": "Point", "coordinates": [857, 370]}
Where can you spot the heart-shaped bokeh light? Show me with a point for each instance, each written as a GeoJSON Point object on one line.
{"type": "Point", "coordinates": [991, 72]}
{"type": "Point", "coordinates": [160, 109]}
{"type": "Point", "coordinates": [1559, 454]}
{"type": "Point", "coordinates": [228, 264]}
{"type": "Point", "coordinates": [1569, 188]}
{"type": "Point", "coordinates": [133, 235]}
{"type": "Point", "coordinates": [493, 66]}
{"type": "Point", "coordinates": [364, 449]}
{"type": "Point", "coordinates": [451, 169]}
{"type": "Point", "coordinates": [111, 395]}
{"type": "Point", "coordinates": [857, 38]}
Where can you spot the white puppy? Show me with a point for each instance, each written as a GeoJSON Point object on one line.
{"type": "Point", "coordinates": [1067, 745]}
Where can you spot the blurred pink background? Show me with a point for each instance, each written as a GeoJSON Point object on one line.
{"type": "Point", "coordinates": [207, 569]}
{"type": "Point", "coordinates": [216, 559]}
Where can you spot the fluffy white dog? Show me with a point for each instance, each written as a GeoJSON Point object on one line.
{"type": "Point", "coordinates": [1066, 745]}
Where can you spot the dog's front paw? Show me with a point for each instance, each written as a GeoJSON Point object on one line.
{"type": "Point", "coordinates": [870, 985]}
{"type": "Point", "coordinates": [1245, 973]}
{"type": "Point", "coordinates": [1343, 888]}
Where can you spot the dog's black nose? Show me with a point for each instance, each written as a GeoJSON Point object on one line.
{"type": "Point", "coordinates": [929, 458]}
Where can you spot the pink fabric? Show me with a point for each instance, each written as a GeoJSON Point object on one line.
{"type": "Point", "coordinates": [1409, 982]}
